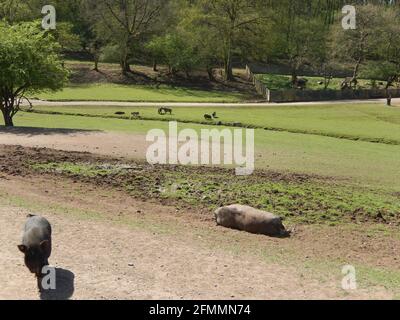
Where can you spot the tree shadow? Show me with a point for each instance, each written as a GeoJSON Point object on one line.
{"type": "Point", "coordinates": [64, 286]}
{"type": "Point", "coordinates": [33, 131]}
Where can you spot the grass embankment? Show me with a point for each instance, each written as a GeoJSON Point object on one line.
{"type": "Point", "coordinates": [141, 93]}
{"type": "Point", "coordinates": [372, 123]}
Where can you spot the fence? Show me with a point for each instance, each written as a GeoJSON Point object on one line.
{"type": "Point", "coordinates": [260, 87]}
{"type": "Point", "coordinates": [293, 95]}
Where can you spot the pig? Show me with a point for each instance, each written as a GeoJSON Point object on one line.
{"type": "Point", "coordinates": [245, 218]}
{"type": "Point", "coordinates": [36, 244]}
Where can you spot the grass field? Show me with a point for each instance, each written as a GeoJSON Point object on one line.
{"type": "Point", "coordinates": [373, 164]}
{"type": "Point", "coordinates": [373, 123]}
{"type": "Point", "coordinates": [281, 82]}
{"type": "Point", "coordinates": [355, 177]}
{"type": "Point", "coordinates": [115, 92]}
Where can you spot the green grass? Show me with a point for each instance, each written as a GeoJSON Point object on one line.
{"type": "Point", "coordinates": [369, 122]}
{"type": "Point", "coordinates": [281, 82]}
{"type": "Point", "coordinates": [306, 200]}
{"type": "Point", "coordinates": [364, 162]}
{"type": "Point", "coordinates": [114, 92]}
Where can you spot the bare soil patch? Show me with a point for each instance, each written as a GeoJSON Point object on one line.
{"type": "Point", "coordinates": [117, 247]}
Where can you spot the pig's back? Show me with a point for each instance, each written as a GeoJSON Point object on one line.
{"type": "Point", "coordinates": [37, 229]}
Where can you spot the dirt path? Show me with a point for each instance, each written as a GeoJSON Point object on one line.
{"type": "Point", "coordinates": [110, 246]}
{"type": "Point", "coordinates": [199, 104]}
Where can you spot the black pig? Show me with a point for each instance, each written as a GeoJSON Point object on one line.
{"type": "Point", "coordinates": [36, 244]}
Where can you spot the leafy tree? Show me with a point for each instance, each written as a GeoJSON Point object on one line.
{"type": "Point", "coordinates": [358, 45]}
{"type": "Point", "coordinates": [65, 36]}
{"type": "Point", "coordinates": [204, 43]}
{"type": "Point", "coordinates": [14, 10]}
{"type": "Point", "coordinates": [228, 20]}
{"type": "Point", "coordinates": [386, 64]}
{"type": "Point", "coordinates": [298, 35]}
{"type": "Point", "coordinates": [29, 63]}
{"type": "Point", "coordinates": [176, 51]}
{"type": "Point", "coordinates": [125, 22]}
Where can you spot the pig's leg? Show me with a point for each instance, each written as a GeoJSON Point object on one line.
{"type": "Point", "coordinates": [39, 283]}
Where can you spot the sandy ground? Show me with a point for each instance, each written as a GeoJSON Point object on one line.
{"type": "Point", "coordinates": [98, 142]}
{"type": "Point", "coordinates": [99, 258]}
{"type": "Point", "coordinates": [395, 101]}
{"type": "Point", "coordinates": [115, 144]}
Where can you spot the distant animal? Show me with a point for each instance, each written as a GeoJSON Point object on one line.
{"type": "Point", "coordinates": [320, 83]}
{"type": "Point", "coordinates": [36, 245]}
{"type": "Point", "coordinates": [214, 115]}
{"type": "Point", "coordinates": [300, 83]}
{"type": "Point", "coordinates": [135, 115]}
{"type": "Point", "coordinates": [120, 113]}
{"type": "Point", "coordinates": [208, 117]}
{"type": "Point", "coordinates": [245, 218]}
{"type": "Point", "coordinates": [164, 111]}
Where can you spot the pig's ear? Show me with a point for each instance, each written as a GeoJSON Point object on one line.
{"type": "Point", "coordinates": [22, 248]}
{"type": "Point", "coordinates": [44, 244]}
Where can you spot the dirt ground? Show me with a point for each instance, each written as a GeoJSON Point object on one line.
{"type": "Point", "coordinates": [97, 142]}
{"type": "Point", "coordinates": [108, 245]}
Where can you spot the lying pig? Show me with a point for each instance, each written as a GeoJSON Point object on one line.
{"type": "Point", "coordinates": [36, 244]}
{"type": "Point", "coordinates": [251, 220]}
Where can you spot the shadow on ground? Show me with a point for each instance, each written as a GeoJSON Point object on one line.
{"type": "Point", "coordinates": [31, 131]}
{"type": "Point", "coordinates": [64, 286]}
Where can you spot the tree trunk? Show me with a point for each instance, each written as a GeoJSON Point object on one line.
{"type": "Point", "coordinates": [124, 59]}
{"type": "Point", "coordinates": [8, 121]}
{"type": "Point", "coordinates": [96, 64]}
{"type": "Point", "coordinates": [155, 65]}
{"type": "Point", "coordinates": [228, 75]}
{"type": "Point", "coordinates": [355, 73]}
{"type": "Point", "coordinates": [390, 81]}
{"type": "Point", "coordinates": [210, 73]}
{"type": "Point", "coordinates": [294, 77]}
{"type": "Point", "coordinates": [125, 66]}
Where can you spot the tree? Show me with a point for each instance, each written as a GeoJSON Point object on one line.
{"type": "Point", "coordinates": [126, 21]}
{"type": "Point", "coordinates": [29, 63]}
{"type": "Point", "coordinates": [228, 19]}
{"type": "Point", "coordinates": [298, 34]}
{"type": "Point", "coordinates": [176, 51]}
{"type": "Point", "coordinates": [386, 64]}
{"type": "Point", "coordinates": [197, 35]}
{"type": "Point", "coordinates": [358, 45]}
{"type": "Point", "coordinates": [14, 10]}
